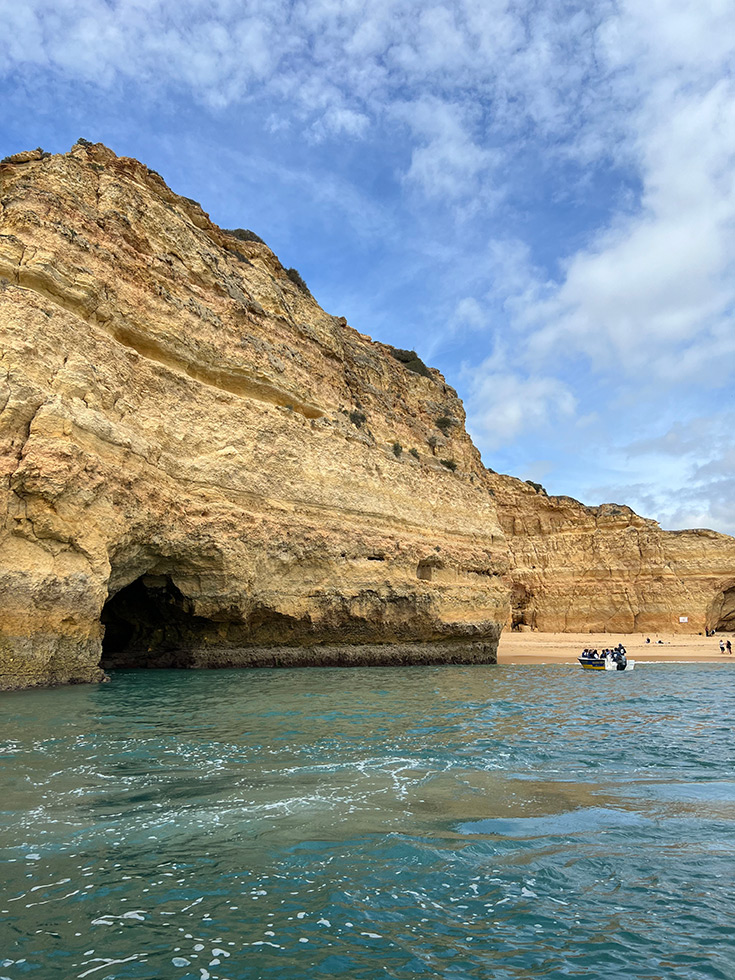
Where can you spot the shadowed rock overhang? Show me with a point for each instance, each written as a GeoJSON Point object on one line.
{"type": "Point", "coordinates": [200, 467]}
{"type": "Point", "coordinates": [203, 468]}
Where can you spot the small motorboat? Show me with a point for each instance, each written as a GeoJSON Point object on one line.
{"type": "Point", "coordinates": [606, 660]}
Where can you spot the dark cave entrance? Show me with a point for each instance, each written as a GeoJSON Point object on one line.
{"type": "Point", "coordinates": [521, 606]}
{"type": "Point", "coordinates": [149, 623]}
{"type": "Point", "coordinates": [722, 611]}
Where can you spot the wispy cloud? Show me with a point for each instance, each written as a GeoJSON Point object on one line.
{"type": "Point", "coordinates": [546, 189]}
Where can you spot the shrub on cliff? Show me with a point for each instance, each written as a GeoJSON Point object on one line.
{"type": "Point", "coordinates": [358, 419]}
{"type": "Point", "coordinates": [410, 359]}
{"type": "Point", "coordinates": [449, 463]}
{"type": "Point", "coordinates": [537, 487]}
{"type": "Point", "coordinates": [244, 234]}
{"type": "Point", "coordinates": [397, 449]}
{"type": "Point", "coordinates": [414, 452]}
{"type": "Point", "coordinates": [295, 276]}
{"type": "Point", "coordinates": [444, 423]}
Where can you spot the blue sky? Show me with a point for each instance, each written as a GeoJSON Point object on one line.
{"type": "Point", "coordinates": [538, 196]}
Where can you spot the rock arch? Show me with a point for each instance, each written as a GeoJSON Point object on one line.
{"type": "Point", "coordinates": [721, 611]}
{"type": "Point", "coordinates": [151, 623]}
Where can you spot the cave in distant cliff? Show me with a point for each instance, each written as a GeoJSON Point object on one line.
{"type": "Point", "coordinates": [521, 606]}
{"type": "Point", "coordinates": [721, 614]}
{"type": "Point", "coordinates": [149, 623]}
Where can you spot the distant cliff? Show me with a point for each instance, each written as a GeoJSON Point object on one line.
{"type": "Point", "coordinates": [200, 467]}
{"type": "Point", "coordinates": [579, 569]}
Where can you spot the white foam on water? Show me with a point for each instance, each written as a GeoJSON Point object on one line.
{"type": "Point", "coordinates": [110, 962]}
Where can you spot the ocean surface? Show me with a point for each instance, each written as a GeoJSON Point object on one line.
{"type": "Point", "coordinates": [454, 822]}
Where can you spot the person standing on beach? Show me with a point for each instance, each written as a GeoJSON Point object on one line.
{"type": "Point", "coordinates": [722, 646]}
{"type": "Point", "coordinates": [729, 646]}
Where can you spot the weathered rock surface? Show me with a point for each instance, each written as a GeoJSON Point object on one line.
{"type": "Point", "coordinates": [200, 465]}
{"type": "Point", "coordinates": [578, 569]}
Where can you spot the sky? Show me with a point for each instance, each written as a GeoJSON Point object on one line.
{"type": "Point", "coordinates": [538, 196]}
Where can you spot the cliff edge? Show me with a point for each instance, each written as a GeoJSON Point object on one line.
{"type": "Point", "coordinates": [606, 569]}
{"type": "Point", "coordinates": [199, 466]}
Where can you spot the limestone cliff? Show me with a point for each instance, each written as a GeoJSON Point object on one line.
{"type": "Point", "coordinates": [199, 466]}
{"type": "Point", "coordinates": [605, 569]}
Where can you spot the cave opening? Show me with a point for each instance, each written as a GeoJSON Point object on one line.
{"type": "Point", "coordinates": [149, 623]}
{"type": "Point", "coordinates": [521, 606]}
{"type": "Point", "coordinates": [722, 611]}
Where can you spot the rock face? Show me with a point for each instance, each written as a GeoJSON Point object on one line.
{"type": "Point", "coordinates": [605, 569]}
{"type": "Point", "coordinates": [199, 466]}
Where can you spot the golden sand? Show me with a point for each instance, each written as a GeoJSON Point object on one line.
{"type": "Point", "coordinates": [539, 648]}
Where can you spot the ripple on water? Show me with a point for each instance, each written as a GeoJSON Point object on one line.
{"type": "Point", "coordinates": [456, 822]}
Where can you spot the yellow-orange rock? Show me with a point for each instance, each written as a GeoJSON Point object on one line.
{"type": "Point", "coordinates": [578, 569]}
{"type": "Point", "coordinates": [199, 460]}
{"type": "Point", "coordinates": [200, 467]}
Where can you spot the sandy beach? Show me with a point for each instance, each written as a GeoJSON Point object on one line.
{"type": "Point", "coordinates": [538, 648]}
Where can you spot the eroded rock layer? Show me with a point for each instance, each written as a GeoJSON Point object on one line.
{"type": "Point", "coordinates": [199, 466]}
{"type": "Point", "coordinates": [605, 569]}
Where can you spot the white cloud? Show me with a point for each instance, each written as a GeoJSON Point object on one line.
{"type": "Point", "coordinates": [646, 306]}
{"type": "Point", "coordinates": [503, 405]}
{"type": "Point", "coordinates": [474, 73]}
{"type": "Point", "coordinates": [469, 313]}
{"type": "Point", "coordinates": [446, 161]}
{"type": "Point", "coordinates": [462, 94]}
{"type": "Point", "coordinates": [702, 436]}
{"type": "Point", "coordinates": [660, 280]}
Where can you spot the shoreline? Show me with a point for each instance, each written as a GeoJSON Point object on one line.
{"type": "Point", "coordinates": [538, 648]}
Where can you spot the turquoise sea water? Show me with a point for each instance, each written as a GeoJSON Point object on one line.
{"type": "Point", "coordinates": [453, 822]}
